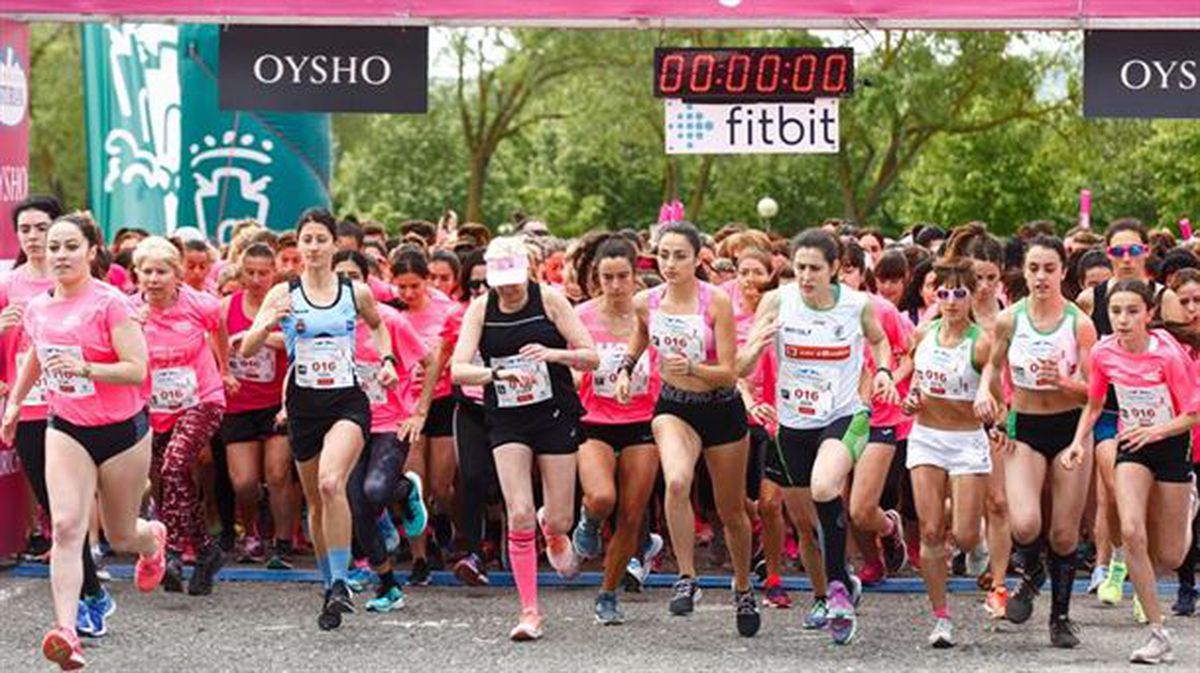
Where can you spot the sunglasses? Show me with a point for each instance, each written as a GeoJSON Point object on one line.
{"type": "Point", "coordinates": [945, 294]}
{"type": "Point", "coordinates": [476, 284]}
{"type": "Point", "coordinates": [1119, 251]}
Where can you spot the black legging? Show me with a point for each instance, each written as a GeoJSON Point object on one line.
{"type": "Point", "coordinates": [477, 479]}
{"type": "Point", "coordinates": [1187, 570]}
{"type": "Point", "coordinates": [376, 482]}
{"type": "Point", "coordinates": [31, 448]}
{"type": "Point", "coordinates": [223, 488]}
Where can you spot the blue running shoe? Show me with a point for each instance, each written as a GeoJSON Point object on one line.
{"type": "Point", "coordinates": [358, 579]}
{"type": "Point", "coordinates": [818, 615]}
{"type": "Point", "coordinates": [101, 607]}
{"type": "Point", "coordinates": [83, 621]}
{"type": "Point", "coordinates": [608, 612]}
{"type": "Point", "coordinates": [415, 517]}
{"type": "Point", "coordinates": [387, 601]}
{"type": "Point", "coordinates": [586, 538]}
{"type": "Point", "coordinates": [388, 532]}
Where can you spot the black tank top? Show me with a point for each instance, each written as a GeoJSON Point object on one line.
{"type": "Point", "coordinates": [503, 336]}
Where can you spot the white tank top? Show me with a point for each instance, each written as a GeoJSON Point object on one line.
{"type": "Point", "coordinates": [820, 358]}
{"type": "Point", "coordinates": [947, 372]}
{"type": "Point", "coordinates": [1029, 346]}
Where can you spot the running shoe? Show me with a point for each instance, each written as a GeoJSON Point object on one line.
{"type": "Point", "coordinates": [1020, 604]}
{"type": "Point", "coordinates": [414, 515]}
{"type": "Point", "coordinates": [280, 556]}
{"type": "Point", "coordinates": [996, 603]}
{"type": "Point", "coordinates": [638, 569]}
{"type": "Point", "coordinates": [252, 550]}
{"type": "Point", "coordinates": [1063, 632]}
{"type": "Point", "coordinates": [894, 548]}
{"type": "Point", "coordinates": [1099, 574]}
{"type": "Point", "coordinates": [388, 532]}
{"type": "Point", "coordinates": [337, 603]}
{"type": "Point", "coordinates": [37, 547]}
{"type": "Point", "coordinates": [687, 592]}
{"type": "Point", "coordinates": [172, 581]}
{"type": "Point", "coordinates": [818, 615]}
{"type": "Point", "coordinates": [470, 571]}
{"type": "Point", "coordinates": [83, 621]}
{"type": "Point", "coordinates": [856, 587]}
{"type": "Point", "coordinates": [1113, 587]}
{"type": "Point", "coordinates": [842, 622]}
{"type": "Point", "coordinates": [1139, 613]}
{"type": "Point", "coordinates": [748, 619]}
{"type": "Point", "coordinates": [774, 595]}
{"type": "Point", "coordinates": [102, 572]}
{"type": "Point", "coordinates": [359, 578]}
{"type": "Point", "coordinates": [942, 637]}
{"type": "Point", "coordinates": [586, 538]}
{"type": "Point", "coordinates": [1158, 649]}
{"type": "Point", "coordinates": [1185, 601]}
{"type": "Point", "coordinates": [150, 569]}
{"type": "Point", "coordinates": [559, 549]}
{"type": "Point", "coordinates": [977, 560]}
{"type": "Point", "coordinates": [608, 612]}
{"type": "Point", "coordinates": [759, 563]}
{"type": "Point", "coordinates": [419, 576]}
{"type": "Point", "coordinates": [208, 563]}
{"type": "Point", "coordinates": [387, 600]}
{"type": "Point", "coordinates": [62, 647]}
{"type": "Point", "coordinates": [528, 628]}
{"type": "Point", "coordinates": [100, 607]}
{"type": "Point", "coordinates": [872, 573]}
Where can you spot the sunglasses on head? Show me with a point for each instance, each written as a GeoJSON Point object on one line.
{"type": "Point", "coordinates": [1119, 251]}
{"type": "Point", "coordinates": [945, 293]}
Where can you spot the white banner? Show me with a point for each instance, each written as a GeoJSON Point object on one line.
{"type": "Point", "coordinates": [756, 128]}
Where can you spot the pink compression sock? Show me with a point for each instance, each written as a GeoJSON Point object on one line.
{"type": "Point", "coordinates": [522, 558]}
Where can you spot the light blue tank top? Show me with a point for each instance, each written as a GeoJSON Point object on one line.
{"type": "Point", "coordinates": [320, 339]}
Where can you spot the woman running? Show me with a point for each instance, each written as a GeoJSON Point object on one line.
{"type": "Point", "coordinates": [92, 355]}
{"type": "Point", "coordinates": [819, 328]}
{"type": "Point", "coordinates": [1186, 285]}
{"type": "Point", "coordinates": [186, 341]}
{"type": "Point", "coordinates": [328, 414]}
{"type": "Point", "coordinates": [1043, 341]}
{"type": "Point", "coordinates": [256, 443]}
{"type": "Point", "coordinates": [432, 458]}
{"type": "Point", "coordinates": [690, 327]}
{"type": "Point", "coordinates": [377, 481]}
{"type": "Point", "coordinates": [530, 339]}
{"type": "Point", "coordinates": [1157, 403]}
{"type": "Point", "coordinates": [618, 458]}
{"type": "Point", "coordinates": [32, 277]}
{"type": "Point", "coordinates": [948, 452]}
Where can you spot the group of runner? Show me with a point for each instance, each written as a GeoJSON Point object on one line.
{"type": "Point", "coordinates": [853, 396]}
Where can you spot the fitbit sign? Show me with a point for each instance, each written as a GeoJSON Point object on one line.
{"type": "Point", "coordinates": [324, 69]}
{"type": "Point", "coordinates": [1141, 73]}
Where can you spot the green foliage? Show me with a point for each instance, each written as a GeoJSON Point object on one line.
{"type": "Point", "coordinates": [57, 154]}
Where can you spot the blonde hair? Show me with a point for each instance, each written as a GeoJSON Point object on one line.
{"type": "Point", "coordinates": [158, 249]}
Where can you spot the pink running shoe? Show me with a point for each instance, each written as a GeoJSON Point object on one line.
{"type": "Point", "coordinates": [150, 569]}
{"type": "Point", "coordinates": [528, 628]}
{"type": "Point", "coordinates": [559, 549]}
{"type": "Point", "coordinates": [872, 573]}
{"type": "Point", "coordinates": [63, 648]}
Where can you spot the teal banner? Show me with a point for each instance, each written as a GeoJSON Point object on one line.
{"type": "Point", "coordinates": [162, 155]}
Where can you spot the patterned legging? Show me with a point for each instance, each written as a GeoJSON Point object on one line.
{"type": "Point", "coordinates": [175, 454]}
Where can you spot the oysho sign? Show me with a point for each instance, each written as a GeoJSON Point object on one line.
{"type": "Point", "coordinates": [754, 128]}
{"type": "Point", "coordinates": [1141, 73]}
{"type": "Point", "coordinates": [325, 69]}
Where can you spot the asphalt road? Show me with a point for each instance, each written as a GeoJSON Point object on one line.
{"type": "Point", "coordinates": [271, 626]}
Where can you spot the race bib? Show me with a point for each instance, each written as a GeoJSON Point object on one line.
{"type": "Point", "coordinates": [324, 363]}
{"type": "Point", "coordinates": [1144, 406]}
{"type": "Point", "coordinates": [809, 393]}
{"type": "Point", "coordinates": [679, 334]}
{"type": "Point", "coordinates": [1027, 376]}
{"type": "Point", "coordinates": [37, 394]}
{"type": "Point", "coordinates": [173, 389]}
{"type": "Point", "coordinates": [604, 379]}
{"type": "Point", "coordinates": [62, 384]}
{"type": "Point", "coordinates": [368, 379]}
{"type": "Point", "coordinates": [510, 394]}
{"type": "Point", "coordinates": [258, 368]}
{"type": "Point", "coordinates": [942, 375]}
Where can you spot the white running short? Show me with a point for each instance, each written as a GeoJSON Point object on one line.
{"type": "Point", "coordinates": [955, 451]}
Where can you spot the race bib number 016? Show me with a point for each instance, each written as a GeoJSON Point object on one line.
{"type": "Point", "coordinates": [173, 389]}
{"type": "Point", "coordinates": [510, 394]}
{"type": "Point", "coordinates": [64, 384]}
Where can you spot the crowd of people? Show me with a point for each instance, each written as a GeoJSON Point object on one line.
{"type": "Point", "coordinates": [388, 401]}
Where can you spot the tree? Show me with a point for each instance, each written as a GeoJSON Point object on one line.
{"type": "Point", "coordinates": [57, 147]}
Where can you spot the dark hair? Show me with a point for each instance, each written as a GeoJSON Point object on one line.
{"type": "Point", "coordinates": [124, 259]}
{"type": "Point", "coordinates": [1092, 259]}
{"type": "Point", "coordinates": [193, 245]}
{"type": "Point", "coordinates": [818, 239]}
{"type": "Point", "coordinates": [1184, 277]}
{"type": "Point", "coordinates": [971, 241]}
{"type": "Point", "coordinates": [686, 230]}
{"type": "Point", "coordinates": [472, 260]}
{"type": "Point", "coordinates": [596, 246]}
{"type": "Point", "coordinates": [319, 216]}
{"type": "Point", "coordinates": [407, 259]}
{"type": "Point", "coordinates": [873, 233]}
{"type": "Point", "coordinates": [853, 255]}
{"type": "Point", "coordinates": [1175, 261]}
{"type": "Point", "coordinates": [423, 228]}
{"type": "Point", "coordinates": [1053, 243]}
{"type": "Point", "coordinates": [351, 229]}
{"type": "Point", "coordinates": [449, 258]}
{"type": "Point", "coordinates": [46, 204]}
{"type": "Point", "coordinates": [1127, 224]}
{"type": "Point", "coordinates": [359, 260]}
{"type": "Point", "coordinates": [1137, 287]}
{"type": "Point", "coordinates": [91, 234]}
{"type": "Point", "coordinates": [260, 250]}
{"type": "Point", "coordinates": [912, 301]}
{"type": "Point", "coordinates": [955, 272]}
{"type": "Point", "coordinates": [892, 265]}
{"type": "Point", "coordinates": [929, 234]}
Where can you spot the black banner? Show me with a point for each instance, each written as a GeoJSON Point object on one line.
{"type": "Point", "coordinates": [1141, 73]}
{"type": "Point", "coordinates": [325, 68]}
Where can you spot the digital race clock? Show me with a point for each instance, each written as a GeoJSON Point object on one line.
{"type": "Point", "coordinates": [728, 75]}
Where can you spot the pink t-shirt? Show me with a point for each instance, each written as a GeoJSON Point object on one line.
{"type": "Point", "coordinates": [119, 278]}
{"type": "Point", "coordinates": [382, 291]}
{"type": "Point", "coordinates": [261, 375]}
{"type": "Point", "coordinates": [1152, 387]}
{"type": "Point", "coordinates": [17, 288]}
{"type": "Point", "coordinates": [430, 322]}
{"type": "Point", "coordinates": [82, 326]}
{"type": "Point", "coordinates": [762, 378]}
{"type": "Point", "coordinates": [183, 369]}
{"type": "Point", "coordinates": [597, 389]}
{"type": "Point", "coordinates": [899, 330]}
{"type": "Point", "coordinates": [388, 407]}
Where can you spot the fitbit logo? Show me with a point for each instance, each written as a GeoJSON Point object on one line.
{"type": "Point", "coordinates": [322, 69]}
{"type": "Point", "coordinates": [1138, 74]}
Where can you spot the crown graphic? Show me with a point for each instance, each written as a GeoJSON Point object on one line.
{"type": "Point", "coordinates": [239, 165]}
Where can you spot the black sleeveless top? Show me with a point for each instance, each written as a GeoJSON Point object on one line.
{"type": "Point", "coordinates": [504, 334]}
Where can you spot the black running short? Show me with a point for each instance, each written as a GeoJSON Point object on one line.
{"type": "Point", "coordinates": [1048, 434]}
{"type": "Point", "coordinates": [102, 442]}
{"type": "Point", "coordinates": [620, 435]}
{"type": "Point", "coordinates": [257, 425]}
{"type": "Point", "coordinates": [718, 416]}
{"type": "Point", "coordinates": [1169, 460]}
